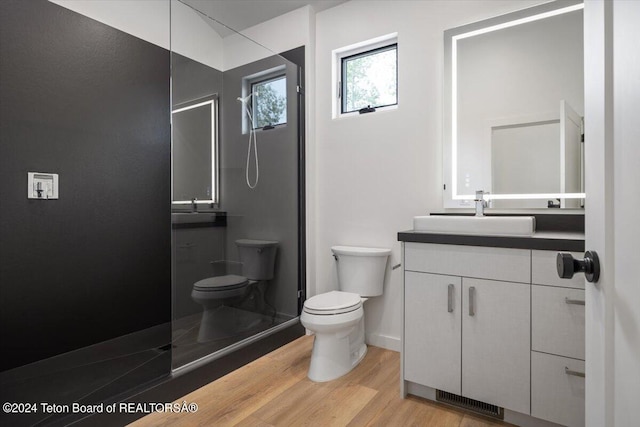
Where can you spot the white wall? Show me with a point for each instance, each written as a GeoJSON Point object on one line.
{"type": "Point", "coordinates": [193, 37]}
{"type": "Point", "coordinates": [276, 35]}
{"type": "Point", "coordinates": [518, 156]}
{"type": "Point", "coordinates": [375, 172]}
{"type": "Point", "coordinates": [163, 23]}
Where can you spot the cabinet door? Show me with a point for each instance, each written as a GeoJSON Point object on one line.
{"type": "Point", "coordinates": [557, 321]}
{"type": "Point", "coordinates": [557, 389]}
{"type": "Point", "coordinates": [432, 330]}
{"type": "Point", "coordinates": [496, 343]}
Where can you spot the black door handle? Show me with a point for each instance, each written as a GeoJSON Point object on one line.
{"type": "Point", "coordinates": [567, 266]}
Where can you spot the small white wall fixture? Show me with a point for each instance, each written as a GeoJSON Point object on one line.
{"type": "Point", "coordinates": [42, 186]}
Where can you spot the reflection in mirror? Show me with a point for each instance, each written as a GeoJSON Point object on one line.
{"type": "Point", "coordinates": [194, 153]}
{"type": "Point", "coordinates": [514, 106]}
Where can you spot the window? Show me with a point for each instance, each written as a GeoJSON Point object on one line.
{"type": "Point", "coordinates": [269, 102]}
{"type": "Point", "coordinates": [368, 76]}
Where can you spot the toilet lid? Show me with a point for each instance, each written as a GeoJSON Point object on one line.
{"type": "Point", "coordinates": [219, 283]}
{"type": "Point", "coordinates": [334, 302]}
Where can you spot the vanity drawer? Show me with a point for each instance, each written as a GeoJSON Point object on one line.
{"type": "Point", "coordinates": [557, 395]}
{"type": "Point", "coordinates": [512, 265]}
{"type": "Point", "coordinates": [544, 271]}
{"type": "Point", "coordinates": [557, 321]}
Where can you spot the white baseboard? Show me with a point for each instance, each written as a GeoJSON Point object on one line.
{"type": "Point", "coordinates": [384, 341]}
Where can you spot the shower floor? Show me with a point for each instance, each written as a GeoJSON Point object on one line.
{"type": "Point", "coordinates": [113, 370]}
{"type": "Point", "coordinates": [186, 348]}
{"type": "Point", "coordinates": [104, 372]}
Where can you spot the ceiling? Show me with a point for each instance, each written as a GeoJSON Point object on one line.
{"type": "Point", "coordinates": [241, 14]}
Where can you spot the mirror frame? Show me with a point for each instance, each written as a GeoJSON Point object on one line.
{"type": "Point", "coordinates": [215, 169]}
{"type": "Point", "coordinates": [450, 197]}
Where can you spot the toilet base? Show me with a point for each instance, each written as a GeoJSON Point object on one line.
{"type": "Point", "coordinates": [225, 322]}
{"type": "Point", "coordinates": [327, 365]}
{"type": "Point", "coordinates": [335, 354]}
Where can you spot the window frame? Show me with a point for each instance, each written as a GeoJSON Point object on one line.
{"type": "Point", "coordinates": [366, 51]}
{"type": "Point", "coordinates": [281, 74]}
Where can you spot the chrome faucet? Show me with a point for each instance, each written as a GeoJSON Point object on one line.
{"type": "Point", "coordinates": [481, 203]}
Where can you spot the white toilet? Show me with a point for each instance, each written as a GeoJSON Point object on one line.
{"type": "Point", "coordinates": [337, 317]}
{"type": "Point", "coordinates": [258, 263]}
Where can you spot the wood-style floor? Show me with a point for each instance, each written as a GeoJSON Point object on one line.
{"type": "Point", "coordinates": [275, 391]}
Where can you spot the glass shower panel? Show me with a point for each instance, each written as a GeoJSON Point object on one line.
{"type": "Point", "coordinates": [85, 279]}
{"type": "Point", "coordinates": [235, 184]}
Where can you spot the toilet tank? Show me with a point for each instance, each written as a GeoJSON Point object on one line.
{"type": "Point", "coordinates": [361, 270]}
{"type": "Point", "coordinates": [258, 258]}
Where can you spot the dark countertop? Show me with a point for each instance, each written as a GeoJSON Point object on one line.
{"type": "Point", "coordinates": [541, 240]}
{"type": "Point", "coordinates": [180, 220]}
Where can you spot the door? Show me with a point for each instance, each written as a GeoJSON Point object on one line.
{"type": "Point", "coordinates": [432, 330]}
{"type": "Point", "coordinates": [570, 154]}
{"type": "Point", "coordinates": [612, 159]}
{"type": "Point", "coordinates": [496, 331]}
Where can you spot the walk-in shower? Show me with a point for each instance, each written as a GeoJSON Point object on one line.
{"type": "Point", "coordinates": [158, 268]}
{"type": "Point", "coordinates": [236, 256]}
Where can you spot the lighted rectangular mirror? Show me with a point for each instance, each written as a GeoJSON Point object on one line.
{"type": "Point", "coordinates": [194, 152]}
{"type": "Point", "coordinates": [514, 101]}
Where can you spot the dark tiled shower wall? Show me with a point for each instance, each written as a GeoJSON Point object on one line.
{"type": "Point", "coordinates": [271, 211]}
{"type": "Point", "coordinates": [90, 103]}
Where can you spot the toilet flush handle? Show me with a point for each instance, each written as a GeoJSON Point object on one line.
{"type": "Point", "coordinates": [335, 256]}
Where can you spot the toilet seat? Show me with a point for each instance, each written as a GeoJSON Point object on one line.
{"type": "Point", "coordinates": [332, 303]}
{"type": "Point", "coordinates": [221, 283]}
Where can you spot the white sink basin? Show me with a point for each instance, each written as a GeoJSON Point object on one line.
{"type": "Point", "coordinates": [483, 225]}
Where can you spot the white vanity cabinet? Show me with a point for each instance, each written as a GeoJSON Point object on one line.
{"type": "Point", "coordinates": [433, 328]}
{"type": "Point", "coordinates": [557, 343]}
{"type": "Point", "coordinates": [469, 333]}
{"type": "Point", "coordinates": [495, 325]}
{"type": "Point", "coordinates": [495, 343]}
